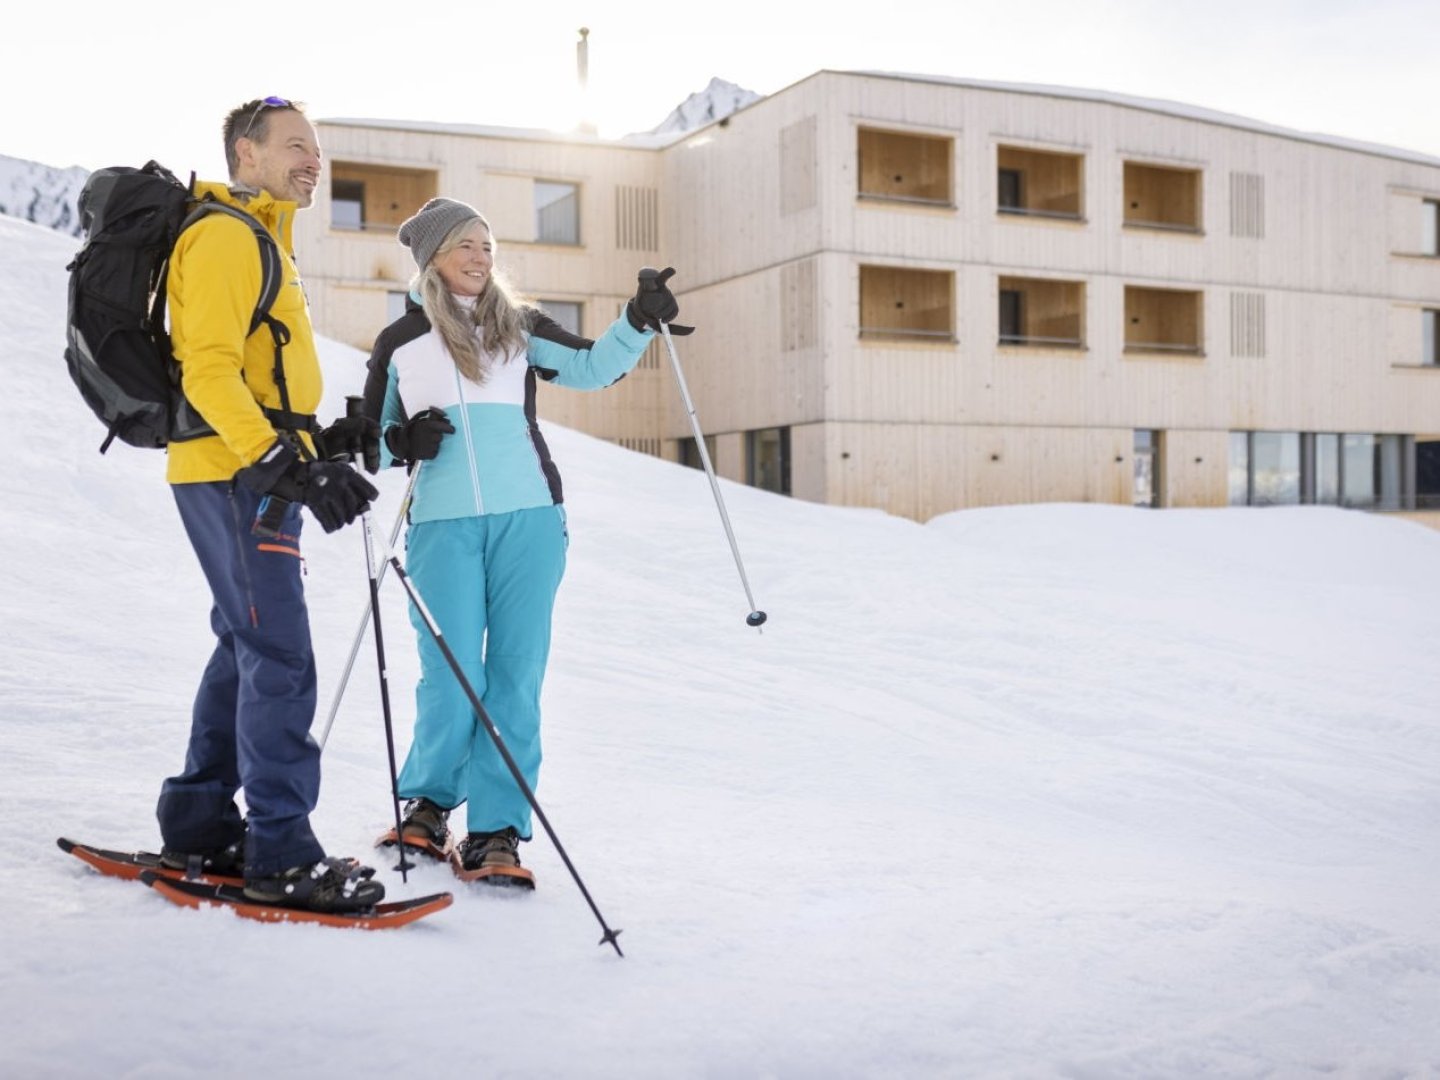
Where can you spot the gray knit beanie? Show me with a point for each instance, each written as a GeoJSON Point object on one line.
{"type": "Point", "coordinates": [426, 231]}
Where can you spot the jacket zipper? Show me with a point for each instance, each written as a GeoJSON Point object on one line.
{"type": "Point", "coordinates": [469, 443]}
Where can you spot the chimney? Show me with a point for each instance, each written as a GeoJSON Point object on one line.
{"type": "Point", "coordinates": [582, 72]}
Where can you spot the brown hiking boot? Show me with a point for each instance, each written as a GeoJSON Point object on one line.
{"type": "Point", "coordinates": [493, 858]}
{"type": "Point", "coordinates": [427, 822]}
{"type": "Point", "coordinates": [491, 851]}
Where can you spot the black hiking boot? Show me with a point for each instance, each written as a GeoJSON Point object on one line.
{"type": "Point", "coordinates": [328, 885]}
{"type": "Point", "coordinates": [426, 822]}
{"type": "Point", "coordinates": [228, 861]}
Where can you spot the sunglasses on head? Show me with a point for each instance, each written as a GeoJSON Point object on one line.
{"type": "Point", "coordinates": [271, 102]}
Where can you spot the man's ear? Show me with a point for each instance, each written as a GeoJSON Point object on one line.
{"type": "Point", "coordinates": [245, 149]}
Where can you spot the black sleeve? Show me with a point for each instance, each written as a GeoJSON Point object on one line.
{"type": "Point", "coordinates": [407, 328]}
{"type": "Point", "coordinates": [547, 329]}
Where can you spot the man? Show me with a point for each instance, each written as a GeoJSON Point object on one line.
{"type": "Point", "coordinates": [240, 493]}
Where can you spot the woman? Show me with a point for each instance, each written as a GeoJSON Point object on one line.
{"type": "Point", "coordinates": [452, 382]}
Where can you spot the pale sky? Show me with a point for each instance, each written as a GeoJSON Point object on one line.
{"type": "Point", "coordinates": [1362, 69]}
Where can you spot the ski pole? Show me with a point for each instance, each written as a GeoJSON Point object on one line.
{"type": "Point", "coordinates": [610, 936]}
{"type": "Point", "coordinates": [365, 615]}
{"type": "Point", "coordinates": [404, 866]}
{"type": "Point", "coordinates": [353, 408]}
{"type": "Point", "coordinates": [756, 617]}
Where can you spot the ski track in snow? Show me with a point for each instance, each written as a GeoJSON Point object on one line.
{"type": "Point", "coordinates": [1043, 791]}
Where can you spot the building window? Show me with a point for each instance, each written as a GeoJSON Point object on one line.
{"type": "Point", "coordinates": [1238, 475]}
{"type": "Point", "coordinates": [1390, 468]}
{"type": "Point", "coordinates": [1147, 468]}
{"type": "Point", "coordinates": [1010, 184]}
{"type": "Point", "coordinates": [1163, 320]}
{"type": "Point", "coordinates": [565, 312]}
{"type": "Point", "coordinates": [1429, 337]}
{"type": "Point", "coordinates": [1012, 315]}
{"type": "Point", "coordinates": [907, 305]}
{"type": "Point", "coordinates": [1322, 479]}
{"type": "Point", "coordinates": [395, 304]}
{"type": "Point", "coordinates": [1427, 472]}
{"type": "Point", "coordinates": [1430, 227]}
{"type": "Point", "coordinates": [690, 452]}
{"type": "Point", "coordinates": [1041, 312]}
{"type": "Point", "coordinates": [767, 456]}
{"type": "Point", "coordinates": [1039, 183]}
{"type": "Point", "coordinates": [557, 213]}
{"type": "Point", "coordinates": [1358, 465]}
{"type": "Point", "coordinates": [347, 204]}
{"type": "Point", "coordinates": [905, 167]}
{"type": "Point", "coordinates": [1372, 472]}
{"type": "Point", "coordinates": [1158, 197]}
{"type": "Point", "coordinates": [377, 198]}
{"type": "Point", "coordinates": [1274, 468]}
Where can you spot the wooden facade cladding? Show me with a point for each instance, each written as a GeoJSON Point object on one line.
{"type": "Point", "coordinates": [845, 249]}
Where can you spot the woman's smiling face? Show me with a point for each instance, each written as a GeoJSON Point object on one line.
{"type": "Point", "coordinates": [466, 267]}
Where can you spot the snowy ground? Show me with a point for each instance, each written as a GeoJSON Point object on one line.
{"type": "Point", "coordinates": [1054, 791]}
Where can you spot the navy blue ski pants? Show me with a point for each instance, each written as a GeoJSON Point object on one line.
{"type": "Point", "coordinates": [250, 726]}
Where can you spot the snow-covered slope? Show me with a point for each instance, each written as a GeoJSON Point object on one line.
{"type": "Point", "coordinates": [1052, 791]}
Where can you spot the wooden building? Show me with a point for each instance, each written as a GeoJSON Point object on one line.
{"type": "Point", "coordinates": [923, 294]}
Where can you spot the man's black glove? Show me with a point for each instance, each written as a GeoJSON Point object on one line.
{"type": "Point", "coordinates": [418, 439]}
{"type": "Point", "coordinates": [349, 437]}
{"type": "Point", "coordinates": [654, 303]}
{"type": "Point", "coordinates": [334, 492]}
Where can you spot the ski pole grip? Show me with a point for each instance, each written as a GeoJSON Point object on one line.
{"type": "Point", "coordinates": [366, 446]}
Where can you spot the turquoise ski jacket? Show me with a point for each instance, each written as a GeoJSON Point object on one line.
{"type": "Point", "coordinates": [497, 460]}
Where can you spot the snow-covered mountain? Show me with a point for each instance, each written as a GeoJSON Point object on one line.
{"type": "Point", "coordinates": [718, 100]}
{"type": "Point", "coordinates": [41, 193]}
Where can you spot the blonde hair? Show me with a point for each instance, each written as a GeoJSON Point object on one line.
{"type": "Point", "coordinates": [500, 313]}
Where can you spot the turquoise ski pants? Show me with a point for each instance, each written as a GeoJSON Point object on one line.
{"type": "Point", "coordinates": [489, 582]}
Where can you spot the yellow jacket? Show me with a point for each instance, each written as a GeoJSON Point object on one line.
{"type": "Point", "coordinates": [213, 287]}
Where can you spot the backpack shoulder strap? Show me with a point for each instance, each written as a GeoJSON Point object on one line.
{"type": "Point", "coordinates": [271, 270]}
{"type": "Point", "coordinates": [272, 273]}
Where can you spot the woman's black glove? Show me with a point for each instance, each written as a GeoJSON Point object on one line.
{"type": "Point", "coordinates": [654, 303]}
{"type": "Point", "coordinates": [418, 439]}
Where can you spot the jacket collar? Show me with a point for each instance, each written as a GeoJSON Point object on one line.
{"type": "Point", "coordinates": [277, 215]}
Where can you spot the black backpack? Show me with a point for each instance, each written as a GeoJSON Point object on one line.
{"type": "Point", "coordinates": [117, 348]}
